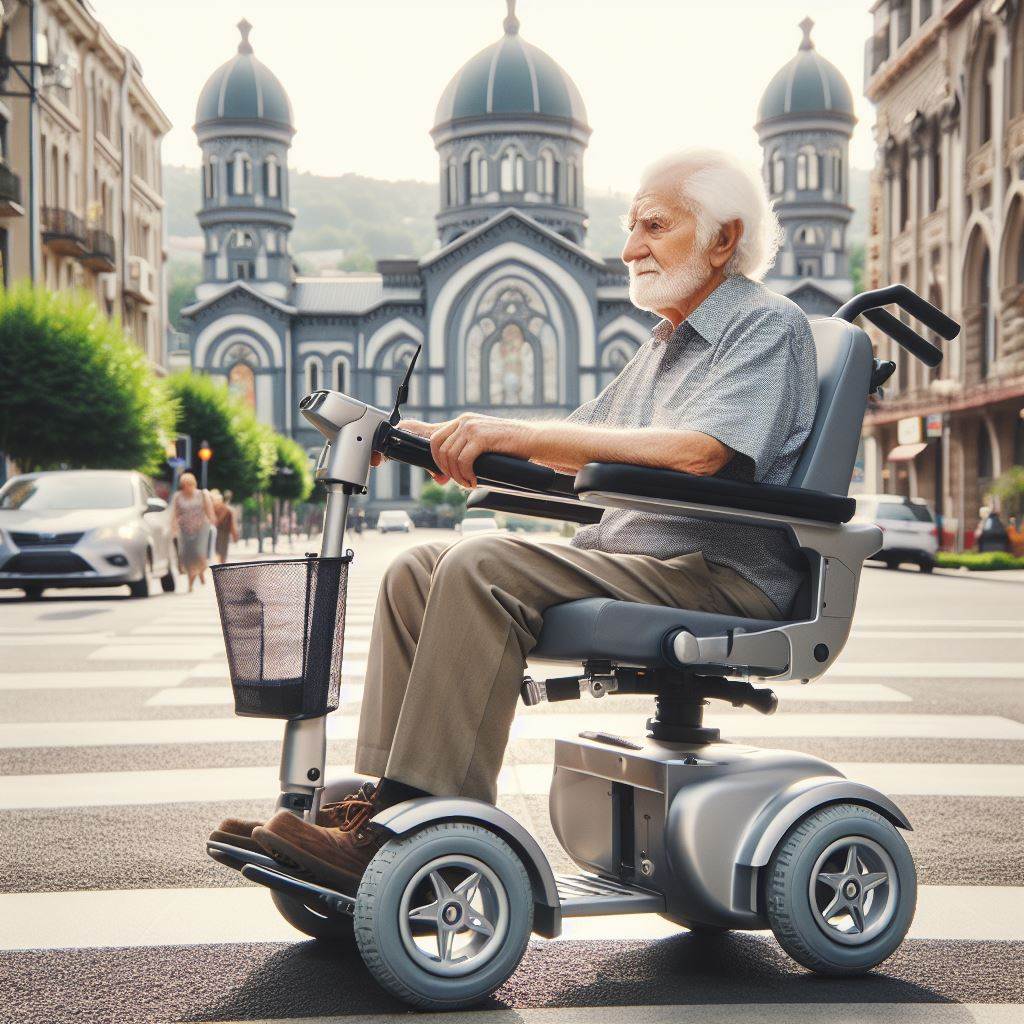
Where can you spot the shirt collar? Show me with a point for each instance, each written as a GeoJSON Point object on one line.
{"type": "Point", "coordinates": [709, 319]}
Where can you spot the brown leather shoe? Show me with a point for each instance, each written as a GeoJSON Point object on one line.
{"type": "Point", "coordinates": [336, 857]}
{"type": "Point", "coordinates": [238, 832]}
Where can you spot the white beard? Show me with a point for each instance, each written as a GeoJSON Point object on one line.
{"type": "Point", "coordinates": [665, 289]}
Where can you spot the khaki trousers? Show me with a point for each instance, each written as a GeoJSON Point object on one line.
{"type": "Point", "coordinates": [454, 625]}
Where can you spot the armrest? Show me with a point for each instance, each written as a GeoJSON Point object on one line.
{"type": "Point", "coordinates": [790, 502]}
{"type": "Point", "coordinates": [570, 510]}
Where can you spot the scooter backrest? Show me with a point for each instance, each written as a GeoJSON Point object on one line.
{"type": "Point", "coordinates": [845, 363]}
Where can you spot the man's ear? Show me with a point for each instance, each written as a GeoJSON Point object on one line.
{"type": "Point", "coordinates": [729, 235]}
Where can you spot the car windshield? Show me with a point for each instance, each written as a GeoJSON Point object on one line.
{"type": "Point", "coordinates": [894, 510]}
{"type": "Point", "coordinates": [58, 491]}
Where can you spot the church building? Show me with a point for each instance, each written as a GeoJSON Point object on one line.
{"type": "Point", "coordinates": [515, 315]}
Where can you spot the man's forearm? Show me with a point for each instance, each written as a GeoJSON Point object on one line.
{"type": "Point", "coordinates": [566, 447]}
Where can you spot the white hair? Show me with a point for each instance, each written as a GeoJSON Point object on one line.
{"type": "Point", "coordinates": [716, 188]}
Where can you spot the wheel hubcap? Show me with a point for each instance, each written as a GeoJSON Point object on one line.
{"type": "Point", "coordinates": [454, 915]}
{"type": "Point", "coordinates": [853, 890]}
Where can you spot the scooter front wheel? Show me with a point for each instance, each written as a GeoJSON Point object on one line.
{"type": "Point", "coordinates": [840, 890]}
{"type": "Point", "coordinates": [443, 915]}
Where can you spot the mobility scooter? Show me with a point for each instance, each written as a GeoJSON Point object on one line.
{"type": "Point", "coordinates": [678, 822]}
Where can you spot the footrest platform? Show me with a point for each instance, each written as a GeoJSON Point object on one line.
{"type": "Point", "coordinates": [585, 895]}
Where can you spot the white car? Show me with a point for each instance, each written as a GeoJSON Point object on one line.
{"type": "Point", "coordinates": [479, 524]}
{"type": "Point", "coordinates": [909, 532]}
{"type": "Point", "coordinates": [394, 520]}
{"type": "Point", "coordinates": [84, 528]}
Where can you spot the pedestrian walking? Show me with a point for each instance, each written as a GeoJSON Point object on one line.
{"type": "Point", "coordinates": [224, 523]}
{"type": "Point", "coordinates": [191, 522]}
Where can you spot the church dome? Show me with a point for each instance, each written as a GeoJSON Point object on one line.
{"type": "Point", "coordinates": [807, 86]}
{"type": "Point", "coordinates": [243, 89]}
{"type": "Point", "coordinates": [511, 79]}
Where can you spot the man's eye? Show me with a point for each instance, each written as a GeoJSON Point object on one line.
{"type": "Point", "coordinates": [654, 225]}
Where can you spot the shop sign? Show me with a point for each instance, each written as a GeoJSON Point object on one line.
{"type": "Point", "coordinates": [908, 431]}
{"type": "Point", "coordinates": [933, 424]}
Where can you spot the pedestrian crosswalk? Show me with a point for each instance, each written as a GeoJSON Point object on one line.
{"type": "Point", "coordinates": [154, 675]}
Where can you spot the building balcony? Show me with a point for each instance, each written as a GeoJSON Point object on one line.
{"type": "Point", "coordinates": [140, 280]}
{"type": "Point", "coordinates": [10, 193]}
{"type": "Point", "coordinates": [63, 231]}
{"type": "Point", "coordinates": [99, 251]}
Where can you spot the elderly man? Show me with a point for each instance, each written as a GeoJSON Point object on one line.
{"type": "Point", "coordinates": [726, 386]}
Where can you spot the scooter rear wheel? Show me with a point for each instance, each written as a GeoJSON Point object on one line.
{"type": "Point", "coordinates": [443, 915]}
{"type": "Point", "coordinates": [840, 890]}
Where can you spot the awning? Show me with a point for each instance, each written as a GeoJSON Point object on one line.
{"type": "Point", "coordinates": [907, 452]}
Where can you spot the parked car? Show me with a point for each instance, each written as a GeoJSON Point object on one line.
{"type": "Point", "coordinates": [909, 531]}
{"type": "Point", "coordinates": [84, 528]}
{"type": "Point", "coordinates": [394, 520]}
{"type": "Point", "coordinates": [479, 524]}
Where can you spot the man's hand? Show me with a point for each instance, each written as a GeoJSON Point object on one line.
{"type": "Point", "coordinates": [456, 444]}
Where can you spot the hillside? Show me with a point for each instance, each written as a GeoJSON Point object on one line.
{"type": "Point", "coordinates": [350, 221]}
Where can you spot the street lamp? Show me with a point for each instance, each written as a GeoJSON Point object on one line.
{"type": "Point", "coordinates": [205, 453]}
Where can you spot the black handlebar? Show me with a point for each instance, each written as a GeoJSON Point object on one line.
{"type": "Point", "coordinates": [905, 336]}
{"type": "Point", "coordinates": [900, 295]}
{"type": "Point", "coordinates": [490, 468]}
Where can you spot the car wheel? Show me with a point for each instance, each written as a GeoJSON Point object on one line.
{"type": "Point", "coordinates": [167, 582]}
{"type": "Point", "coordinates": [892, 563]}
{"type": "Point", "coordinates": [927, 564]}
{"type": "Point", "coordinates": [33, 593]}
{"type": "Point", "coordinates": [140, 588]}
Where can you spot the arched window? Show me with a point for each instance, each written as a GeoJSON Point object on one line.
{"type": "Point", "coordinates": [807, 236]}
{"type": "Point", "coordinates": [807, 169]}
{"type": "Point", "coordinates": [986, 86]}
{"type": "Point", "coordinates": [241, 175]}
{"type": "Point", "coordinates": [480, 171]}
{"type": "Point", "coordinates": [271, 177]}
{"type": "Point", "coordinates": [239, 239]}
{"type": "Point", "coordinates": [452, 180]}
{"type": "Point", "coordinates": [571, 184]}
{"type": "Point", "coordinates": [546, 173]}
{"type": "Point", "coordinates": [242, 383]}
{"type": "Point", "coordinates": [340, 375]}
{"type": "Point", "coordinates": [513, 171]}
{"type": "Point", "coordinates": [778, 173]}
{"type": "Point", "coordinates": [210, 178]}
{"type": "Point", "coordinates": [837, 172]}
{"type": "Point", "coordinates": [312, 375]}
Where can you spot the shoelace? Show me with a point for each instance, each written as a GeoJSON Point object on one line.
{"type": "Point", "coordinates": [343, 814]}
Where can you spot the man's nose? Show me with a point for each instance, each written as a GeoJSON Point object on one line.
{"type": "Point", "coordinates": [634, 249]}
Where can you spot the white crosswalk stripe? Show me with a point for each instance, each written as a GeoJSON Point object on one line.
{"type": "Point", "coordinates": [92, 919]}
{"type": "Point", "coordinates": [201, 785]}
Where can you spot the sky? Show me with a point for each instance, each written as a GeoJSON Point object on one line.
{"type": "Point", "coordinates": [364, 77]}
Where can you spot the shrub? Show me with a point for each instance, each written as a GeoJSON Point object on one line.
{"type": "Point", "coordinates": [75, 391]}
{"type": "Point", "coordinates": [978, 562]}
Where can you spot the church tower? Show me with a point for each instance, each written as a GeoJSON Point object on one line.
{"type": "Point", "coordinates": [244, 128]}
{"type": "Point", "coordinates": [511, 130]}
{"type": "Point", "coordinates": [804, 123]}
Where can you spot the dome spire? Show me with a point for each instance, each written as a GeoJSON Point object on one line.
{"type": "Point", "coordinates": [511, 22]}
{"type": "Point", "coordinates": [806, 25]}
{"type": "Point", "coordinates": [244, 28]}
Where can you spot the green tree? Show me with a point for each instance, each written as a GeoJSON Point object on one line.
{"type": "Point", "coordinates": [292, 479]}
{"type": "Point", "coordinates": [1009, 489]}
{"type": "Point", "coordinates": [244, 451]}
{"type": "Point", "coordinates": [857, 267]}
{"type": "Point", "coordinates": [182, 279]}
{"type": "Point", "coordinates": [74, 389]}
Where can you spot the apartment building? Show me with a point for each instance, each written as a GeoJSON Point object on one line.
{"type": "Point", "coordinates": [947, 218]}
{"type": "Point", "coordinates": [80, 170]}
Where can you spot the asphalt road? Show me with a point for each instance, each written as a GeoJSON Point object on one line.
{"type": "Point", "coordinates": [119, 751]}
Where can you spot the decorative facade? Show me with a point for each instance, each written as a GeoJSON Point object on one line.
{"type": "Point", "coordinates": [81, 202]}
{"type": "Point", "coordinates": [516, 317]}
{"type": "Point", "coordinates": [947, 218]}
{"type": "Point", "coordinates": [804, 123]}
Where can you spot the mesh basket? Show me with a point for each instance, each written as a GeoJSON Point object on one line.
{"type": "Point", "coordinates": [284, 629]}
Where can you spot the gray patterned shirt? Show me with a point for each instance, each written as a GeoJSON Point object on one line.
{"type": "Point", "coordinates": [742, 369]}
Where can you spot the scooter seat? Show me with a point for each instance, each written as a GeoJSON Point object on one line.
{"type": "Point", "coordinates": [628, 631]}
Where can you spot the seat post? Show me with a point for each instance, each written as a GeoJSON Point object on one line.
{"type": "Point", "coordinates": [679, 710]}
